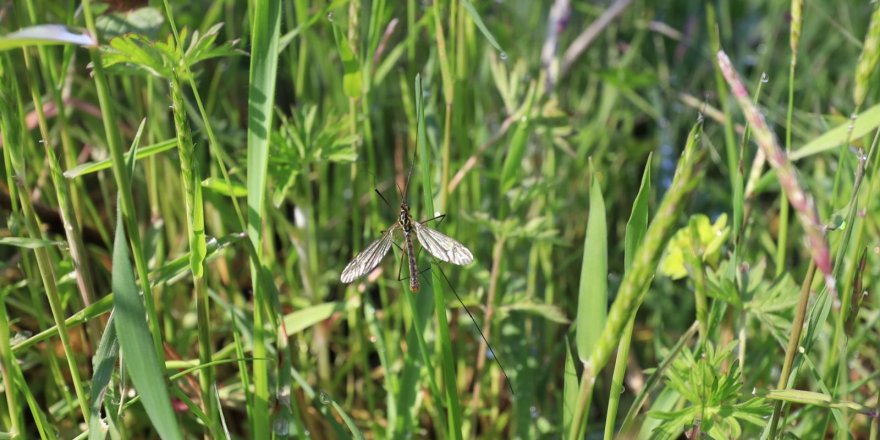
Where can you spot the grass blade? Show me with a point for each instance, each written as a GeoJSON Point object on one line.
{"type": "Point", "coordinates": [636, 227]}
{"type": "Point", "coordinates": [472, 11]}
{"type": "Point", "coordinates": [261, 94]}
{"type": "Point", "coordinates": [140, 358]}
{"type": "Point", "coordinates": [93, 167]}
{"type": "Point", "coordinates": [104, 362]}
{"type": "Point", "coordinates": [593, 293]}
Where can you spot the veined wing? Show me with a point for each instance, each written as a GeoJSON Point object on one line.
{"type": "Point", "coordinates": [365, 261]}
{"type": "Point", "coordinates": [442, 246]}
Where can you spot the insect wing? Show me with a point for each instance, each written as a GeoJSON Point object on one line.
{"type": "Point", "coordinates": [442, 246]}
{"type": "Point", "coordinates": [365, 261]}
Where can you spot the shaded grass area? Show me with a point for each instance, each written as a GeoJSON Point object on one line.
{"type": "Point", "coordinates": [672, 211]}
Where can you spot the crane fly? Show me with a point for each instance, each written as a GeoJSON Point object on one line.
{"type": "Point", "coordinates": [437, 244]}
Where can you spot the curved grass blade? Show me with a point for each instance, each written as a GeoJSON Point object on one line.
{"type": "Point", "coordinates": [469, 7]}
{"type": "Point", "coordinates": [866, 122]}
{"type": "Point", "coordinates": [140, 357]}
{"type": "Point", "coordinates": [92, 167]}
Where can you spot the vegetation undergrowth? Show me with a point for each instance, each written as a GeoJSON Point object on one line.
{"type": "Point", "coordinates": [672, 212]}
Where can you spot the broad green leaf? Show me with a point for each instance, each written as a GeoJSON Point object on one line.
{"type": "Point", "coordinates": [92, 167]}
{"type": "Point", "coordinates": [712, 236]}
{"type": "Point", "coordinates": [592, 308]}
{"type": "Point", "coordinates": [45, 34]}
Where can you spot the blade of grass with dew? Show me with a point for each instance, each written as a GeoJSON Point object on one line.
{"type": "Point", "coordinates": [103, 363]}
{"type": "Point", "coordinates": [472, 11]}
{"type": "Point", "coordinates": [634, 286]}
{"type": "Point", "coordinates": [261, 95]}
{"type": "Point", "coordinates": [866, 122]}
{"type": "Point", "coordinates": [447, 359]}
{"type": "Point", "coordinates": [93, 167]}
{"type": "Point", "coordinates": [636, 227]}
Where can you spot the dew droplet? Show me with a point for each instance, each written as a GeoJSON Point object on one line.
{"type": "Point", "coordinates": [503, 56]}
{"type": "Point", "coordinates": [533, 411]}
{"type": "Point", "coordinates": [765, 78]}
{"type": "Point", "coordinates": [330, 16]}
{"type": "Point", "coordinates": [324, 398]}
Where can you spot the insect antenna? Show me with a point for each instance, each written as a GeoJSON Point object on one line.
{"type": "Point", "coordinates": [382, 197]}
{"type": "Point", "coordinates": [480, 330]}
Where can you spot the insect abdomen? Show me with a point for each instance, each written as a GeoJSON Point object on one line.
{"type": "Point", "coordinates": [413, 268]}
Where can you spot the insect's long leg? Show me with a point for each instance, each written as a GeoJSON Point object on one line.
{"type": "Point", "coordinates": [480, 330]}
{"type": "Point", "coordinates": [400, 265]}
{"type": "Point", "coordinates": [440, 217]}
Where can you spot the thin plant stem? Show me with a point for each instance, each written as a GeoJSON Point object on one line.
{"type": "Point", "coordinates": [794, 338]}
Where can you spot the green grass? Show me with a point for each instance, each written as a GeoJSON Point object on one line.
{"type": "Point", "coordinates": [641, 270]}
